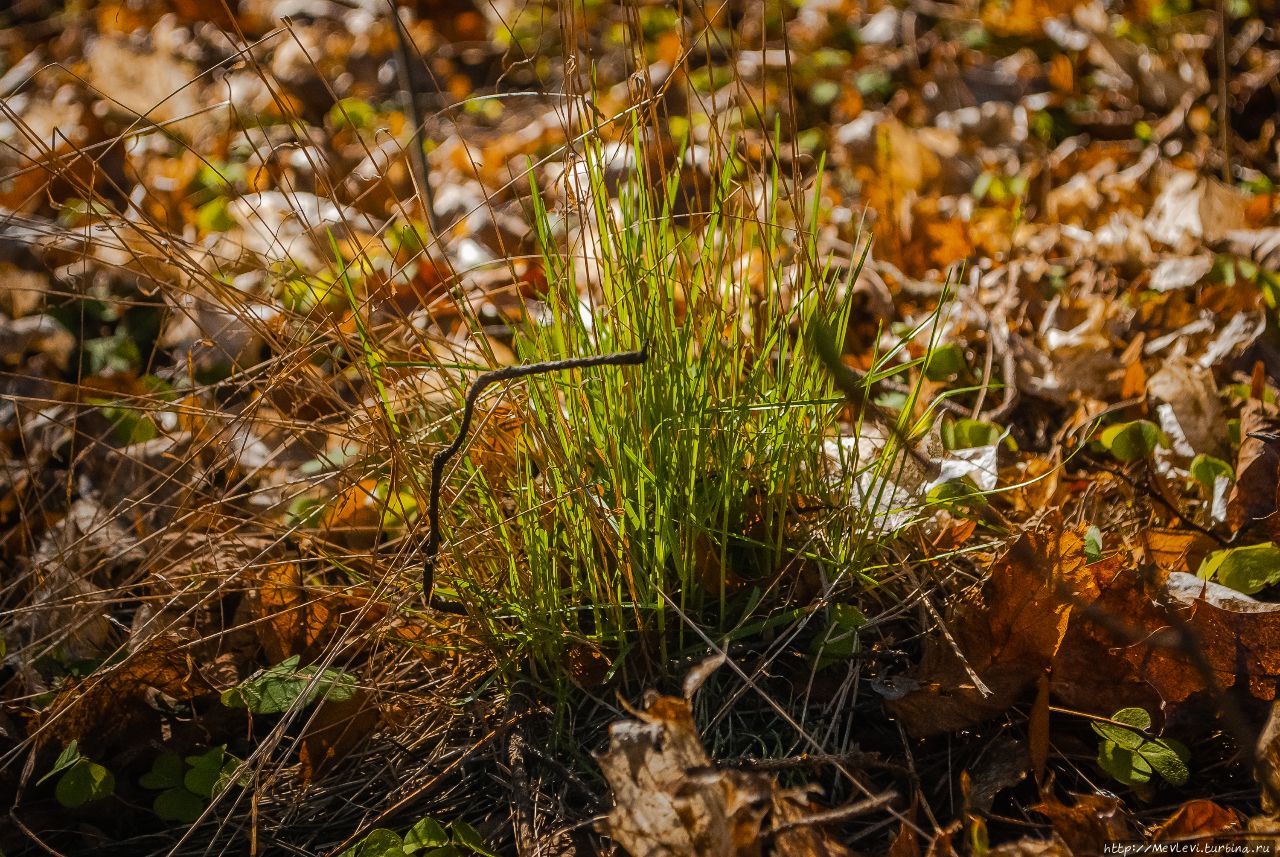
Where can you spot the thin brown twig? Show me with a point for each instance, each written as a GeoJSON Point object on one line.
{"type": "Point", "coordinates": [1224, 109]}
{"type": "Point", "coordinates": [31, 834]}
{"type": "Point", "coordinates": [852, 758]}
{"type": "Point", "coordinates": [441, 458]}
{"type": "Point", "coordinates": [417, 156]}
{"type": "Point", "coordinates": [839, 814]}
{"type": "Point", "coordinates": [986, 379]}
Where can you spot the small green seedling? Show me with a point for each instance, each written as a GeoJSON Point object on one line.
{"type": "Point", "coordinates": [1244, 569]}
{"type": "Point", "coordinates": [1132, 441]}
{"type": "Point", "coordinates": [187, 786]}
{"type": "Point", "coordinates": [428, 838]}
{"type": "Point", "coordinates": [1131, 758]}
{"type": "Point", "coordinates": [965, 433]}
{"type": "Point", "coordinates": [82, 781]}
{"type": "Point", "coordinates": [1093, 544]}
{"type": "Point", "coordinates": [944, 362]}
{"type": "Point", "coordinates": [277, 689]}
{"type": "Point", "coordinates": [1207, 470]}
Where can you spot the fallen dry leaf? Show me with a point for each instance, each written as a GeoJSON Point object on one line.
{"type": "Point", "coordinates": [1196, 819]}
{"type": "Point", "coordinates": [793, 837]}
{"type": "Point", "coordinates": [1140, 660]}
{"type": "Point", "coordinates": [1253, 496]}
{"type": "Point", "coordinates": [1176, 550]}
{"type": "Point", "coordinates": [1008, 635]}
{"type": "Point", "coordinates": [1088, 823]}
{"type": "Point", "coordinates": [1184, 399]}
{"type": "Point", "coordinates": [336, 728]}
{"type": "Point", "coordinates": [669, 800]}
{"type": "Point", "coordinates": [1191, 207]}
{"type": "Point", "coordinates": [660, 808]}
{"type": "Point", "coordinates": [112, 701]}
{"type": "Point", "coordinates": [297, 618]}
{"type": "Point", "coordinates": [1106, 633]}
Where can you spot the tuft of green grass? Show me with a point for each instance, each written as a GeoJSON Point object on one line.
{"type": "Point", "coordinates": [686, 490]}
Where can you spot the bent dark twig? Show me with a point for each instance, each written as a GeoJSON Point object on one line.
{"type": "Point", "coordinates": [441, 458]}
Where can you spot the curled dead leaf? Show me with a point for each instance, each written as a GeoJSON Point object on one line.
{"type": "Point", "coordinates": [113, 700]}
{"type": "Point", "coordinates": [1253, 496]}
{"type": "Point", "coordinates": [1088, 823]}
{"type": "Point", "coordinates": [660, 808]}
{"type": "Point", "coordinates": [669, 799]}
{"type": "Point", "coordinates": [1196, 819]}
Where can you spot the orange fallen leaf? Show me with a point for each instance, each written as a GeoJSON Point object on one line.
{"type": "Point", "coordinates": [1196, 819]}
{"type": "Point", "coordinates": [954, 533]}
{"type": "Point", "coordinates": [1088, 823]}
{"type": "Point", "coordinates": [1008, 636]}
{"type": "Point", "coordinates": [336, 729]}
{"type": "Point", "coordinates": [298, 619]}
{"type": "Point", "coordinates": [1176, 550]}
{"type": "Point", "coordinates": [1128, 651]}
{"type": "Point", "coordinates": [354, 517]}
{"type": "Point", "coordinates": [1022, 17]}
{"type": "Point", "coordinates": [112, 701]}
{"type": "Point", "coordinates": [1109, 635]}
{"type": "Point", "coordinates": [1253, 497]}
